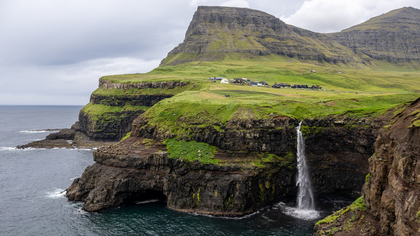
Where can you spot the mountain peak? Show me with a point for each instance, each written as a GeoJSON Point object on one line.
{"type": "Point", "coordinates": [219, 32]}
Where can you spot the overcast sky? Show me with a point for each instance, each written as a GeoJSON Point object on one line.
{"type": "Point", "coordinates": [53, 51]}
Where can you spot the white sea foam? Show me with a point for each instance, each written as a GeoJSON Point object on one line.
{"type": "Point", "coordinates": [33, 131]}
{"type": "Point", "coordinates": [80, 211]}
{"type": "Point", "coordinates": [57, 193]}
{"type": "Point", "coordinates": [8, 148]}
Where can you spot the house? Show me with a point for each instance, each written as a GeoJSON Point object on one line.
{"type": "Point", "coordinates": [238, 81]}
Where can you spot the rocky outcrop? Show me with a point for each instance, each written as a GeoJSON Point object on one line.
{"type": "Point", "coordinates": [131, 171]}
{"type": "Point", "coordinates": [391, 192]}
{"type": "Point", "coordinates": [66, 138]}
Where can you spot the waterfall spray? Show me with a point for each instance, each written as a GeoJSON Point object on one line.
{"type": "Point", "coordinates": [305, 198]}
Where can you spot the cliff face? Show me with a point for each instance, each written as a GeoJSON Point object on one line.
{"type": "Point", "coordinates": [215, 32]}
{"type": "Point", "coordinates": [109, 115]}
{"type": "Point", "coordinates": [131, 170]}
{"type": "Point", "coordinates": [391, 193]}
{"type": "Point", "coordinates": [337, 150]}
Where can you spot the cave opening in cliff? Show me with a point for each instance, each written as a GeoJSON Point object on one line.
{"type": "Point", "coordinates": [145, 196]}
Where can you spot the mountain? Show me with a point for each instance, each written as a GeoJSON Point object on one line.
{"type": "Point", "coordinates": [394, 36]}
{"type": "Point", "coordinates": [217, 32]}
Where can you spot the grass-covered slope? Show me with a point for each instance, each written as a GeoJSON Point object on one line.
{"type": "Point", "coordinates": [393, 36]}
{"type": "Point", "coordinates": [345, 90]}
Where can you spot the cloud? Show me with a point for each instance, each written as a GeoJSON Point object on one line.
{"type": "Point", "coordinates": [236, 3]}
{"type": "Point", "coordinates": [332, 16]}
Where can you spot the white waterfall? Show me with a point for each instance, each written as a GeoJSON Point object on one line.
{"type": "Point", "coordinates": [305, 198]}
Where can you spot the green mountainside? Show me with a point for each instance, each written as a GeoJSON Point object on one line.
{"type": "Point", "coordinates": [391, 37]}
{"type": "Point", "coordinates": [217, 31]}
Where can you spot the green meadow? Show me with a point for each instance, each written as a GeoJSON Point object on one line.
{"type": "Point", "coordinates": [355, 90]}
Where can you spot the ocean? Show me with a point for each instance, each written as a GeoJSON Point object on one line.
{"type": "Point", "coordinates": [33, 183]}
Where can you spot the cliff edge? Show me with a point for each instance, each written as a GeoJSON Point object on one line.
{"type": "Point", "coordinates": [391, 203]}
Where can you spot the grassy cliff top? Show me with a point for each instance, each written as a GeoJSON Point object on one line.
{"type": "Point", "coordinates": [346, 89]}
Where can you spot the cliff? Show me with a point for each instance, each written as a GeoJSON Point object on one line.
{"type": "Point", "coordinates": [391, 202]}
{"type": "Point", "coordinates": [255, 165]}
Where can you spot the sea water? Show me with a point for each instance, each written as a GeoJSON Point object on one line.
{"type": "Point", "coordinates": [33, 183]}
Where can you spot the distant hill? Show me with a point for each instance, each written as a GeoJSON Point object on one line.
{"type": "Point", "coordinates": [394, 36]}
{"type": "Point", "coordinates": [216, 32]}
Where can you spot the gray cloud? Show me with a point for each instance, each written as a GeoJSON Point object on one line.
{"type": "Point", "coordinates": [54, 52]}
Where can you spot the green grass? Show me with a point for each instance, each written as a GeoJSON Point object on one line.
{"type": "Point", "coordinates": [358, 204]}
{"type": "Point", "coordinates": [357, 91]}
{"type": "Point", "coordinates": [126, 136]}
{"type": "Point", "coordinates": [191, 151]}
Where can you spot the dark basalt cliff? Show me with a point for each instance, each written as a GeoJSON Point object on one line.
{"type": "Point", "coordinates": [132, 171]}
{"type": "Point", "coordinates": [112, 124]}
{"type": "Point", "coordinates": [391, 193]}
{"type": "Point", "coordinates": [337, 150]}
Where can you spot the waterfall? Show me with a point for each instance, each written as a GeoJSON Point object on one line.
{"type": "Point", "coordinates": [305, 198]}
{"type": "Point", "coordinates": [305, 209]}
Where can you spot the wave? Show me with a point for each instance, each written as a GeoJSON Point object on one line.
{"type": "Point", "coordinates": [33, 131]}
{"type": "Point", "coordinates": [20, 149]}
{"type": "Point", "coordinates": [39, 131]}
{"type": "Point", "coordinates": [57, 193]}
{"type": "Point", "coordinates": [8, 148]}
